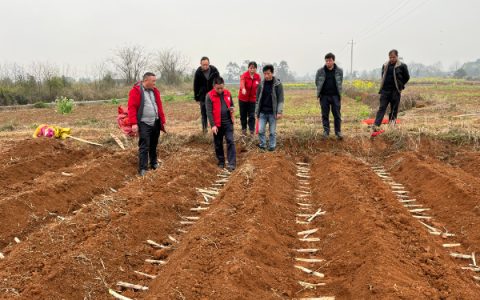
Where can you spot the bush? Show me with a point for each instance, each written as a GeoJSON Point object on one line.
{"type": "Point", "coordinates": [64, 105]}
{"type": "Point", "coordinates": [115, 101]}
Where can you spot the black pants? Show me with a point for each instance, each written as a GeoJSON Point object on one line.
{"type": "Point", "coordinates": [226, 130]}
{"type": "Point", "coordinates": [147, 144]}
{"type": "Point", "coordinates": [388, 97]}
{"type": "Point", "coordinates": [333, 102]}
{"type": "Point", "coordinates": [203, 111]}
{"type": "Point", "coordinates": [247, 111]}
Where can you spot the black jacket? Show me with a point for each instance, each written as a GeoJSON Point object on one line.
{"type": "Point", "coordinates": [201, 86]}
{"type": "Point", "coordinates": [400, 75]}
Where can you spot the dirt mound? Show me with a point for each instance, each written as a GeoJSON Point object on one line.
{"type": "Point", "coordinates": [373, 247]}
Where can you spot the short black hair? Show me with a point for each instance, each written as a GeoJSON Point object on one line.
{"type": "Point", "coordinates": [204, 58]}
{"type": "Point", "coordinates": [268, 67]}
{"type": "Point", "coordinates": [393, 51]}
{"type": "Point", "coordinates": [252, 63]}
{"type": "Point", "coordinates": [148, 74]}
{"type": "Point", "coordinates": [330, 55]}
{"type": "Point", "coordinates": [218, 80]}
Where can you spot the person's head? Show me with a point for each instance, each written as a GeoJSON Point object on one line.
{"type": "Point", "coordinates": [252, 67]}
{"type": "Point", "coordinates": [268, 72]}
{"type": "Point", "coordinates": [149, 80]}
{"type": "Point", "coordinates": [205, 63]}
{"type": "Point", "coordinates": [330, 60]}
{"type": "Point", "coordinates": [218, 84]}
{"type": "Point", "coordinates": [393, 56]}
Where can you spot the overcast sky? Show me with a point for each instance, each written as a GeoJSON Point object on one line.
{"type": "Point", "coordinates": [82, 33]}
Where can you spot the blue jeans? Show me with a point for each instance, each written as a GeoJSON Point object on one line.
{"type": "Point", "coordinates": [263, 119]}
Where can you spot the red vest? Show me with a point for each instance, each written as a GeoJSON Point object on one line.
{"type": "Point", "coordinates": [250, 85]}
{"type": "Point", "coordinates": [217, 105]}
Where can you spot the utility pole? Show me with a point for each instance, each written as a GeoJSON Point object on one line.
{"type": "Point", "coordinates": [351, 58]}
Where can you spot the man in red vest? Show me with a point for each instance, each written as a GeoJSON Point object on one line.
{"type": "Point", "coordinates": [220, 107]}
{"type": "Point", "coordinates": [145, 113]}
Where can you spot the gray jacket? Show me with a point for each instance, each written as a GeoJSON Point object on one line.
{"type": "Point", "coordinates": [277, 97]}
{"type": "Point", "coordinates": [321, 76]}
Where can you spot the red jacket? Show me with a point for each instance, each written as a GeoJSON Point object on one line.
{"type": "Point", "coordinates": [135, 105]}
{"type": "Point", "coordinates": [217, 105]}
{"type": "Point", "coordinates": [250, 85]}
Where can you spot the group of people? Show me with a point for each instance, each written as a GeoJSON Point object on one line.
{"type": "Point", "coordinates": [260, 100]}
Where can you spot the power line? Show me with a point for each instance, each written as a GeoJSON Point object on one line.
{"type": "Point", "coordinates": [397, 20]}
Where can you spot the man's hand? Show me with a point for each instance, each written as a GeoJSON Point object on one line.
{"type": "Point", "coordinates": [232, 109]}
{"type": "Point", "coordinates": [279, 116]}
{"type": "Point", "coordinates": [135, 128]}
{"type": "Point", "coordinates": [244, 91]}
{"type": "Point", "coordinates": [215, 130]}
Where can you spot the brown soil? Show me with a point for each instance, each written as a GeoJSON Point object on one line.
{"type": "Point", "coordinates": [79, 237]}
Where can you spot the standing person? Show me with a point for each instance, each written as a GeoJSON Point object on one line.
{"type": "Point", "coordinates": [329, 80]}
{"type": "Point", "coordinates": [220, 108]}
{"type": "Point", "coordinates": [247, 96]}
{"type": "Point", "coordinates": [202, 84]}
{"type": "Point", "coordinates": [145, 113]}
{"type": "Point", "coordinates": [269, 107]}
{"type": "Point", "coordinates": [394, 77]}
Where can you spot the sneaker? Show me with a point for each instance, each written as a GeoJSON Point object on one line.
{"type": "Point", "coordinates": [261, 147]}
{"type": "Point", "coordinates": [271, 149]}
{"type": "Point", "coordinates": [231, 168]}
{"type": "Point", "coordinates": [375, 128]}
{"type": "Point", "coordinates": [155, 166]}
{"type": "Point", "coordinates": [325, 135]}
{"type": "Point", "coordinates": [339, 136]}
{"type": "Point", "coordinates": [221, 165]}
{"type": "Point", "coordinates": [142, 172]}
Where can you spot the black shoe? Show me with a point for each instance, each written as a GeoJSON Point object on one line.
{"type": "Point", "coordinates": [261, 147]}
{"type": "Point", "coordinates": [142, 172]}
{"type": "Point", "coordinates": [325, 135]}
{"type": "Point", "coordinates": [271, 149]}
{"type": "Point", "coordinates": [221, 166]}
{"type": "Point", "coordinates": [155, 166]}
{"type": "Point", "coordinates": [339, 136]}
{"type": "Point", "coordinates": [231, 168]}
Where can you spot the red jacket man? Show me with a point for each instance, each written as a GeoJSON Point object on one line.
{"type": "Point", "coordinates": [145, 113]}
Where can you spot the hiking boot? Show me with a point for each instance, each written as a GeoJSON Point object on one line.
{"type": "Point", "coordinates": [142, 172]}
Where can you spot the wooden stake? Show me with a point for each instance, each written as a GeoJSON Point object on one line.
{"type": "Point", "coordinates": [145, 274]}
{"type": "Point", "coordinates": [199, 208]}
{"type": "Point", "coordinates": [422, 217]}
{"type": "Point", "coordinates": [311, 272]}
{"type": "Point", "coordinates": [451, 245]}
{"type": "Point", "coordinates": [302, 222]}
{"type": "Point", "coordinates": [192, 218]}
{"type": "Point", "coordinates": [477, 278]}
{"type": "Point", "coordinates": [459, 255]}
{"type": "Point", "coordinates": [117, 295]}
{"type": "Point", "coordinates": [307, 250]}
{"type": "Point", "coordinates": [309, 240]}
{"type": "Point", "coordinates": [156, 245]}
{"type": "Point", "coordinates": [208, 192]}
{"type": "Point", "coordinates": [474, 260]}
{"type": "Point", "coordinates": [310, 285]}
{"type": "Point", "coordinates": [309, 260]}
{"type": "Point", "coordinates": [156, 262]}
{"type": "Point", "coordinates": [132, 286]}
{"type": "Point", "coordinates": [172, 239]}
{"type": "Point", "coordinates": [118, 141]}
{"type": "Point", "coordinates": [307, 232]}
{"type": "Point", "coordinates": [84, 141]}
{"type": "Point", "coordinates": [319, 212]}
{"type": "Point", "coordinates": [407, 201]}
{"type": "Point", "coordinates": [304, 204]}
{"type": "Point", "coordinates": [431, 228]}
{"type": "Point", "coordinates": [182, 231]}
{"type": "Point", "coordinates": [187, 222]}
{"type": "Point", "coordinates": [419, 210]}
{"type": "Point", "coordinates": [413, 205]}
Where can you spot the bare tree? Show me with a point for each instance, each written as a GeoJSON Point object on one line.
{"type": "Point", "coordinates": [130, 62]}
{"type": "Point", "coordinates": [172, 66]}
